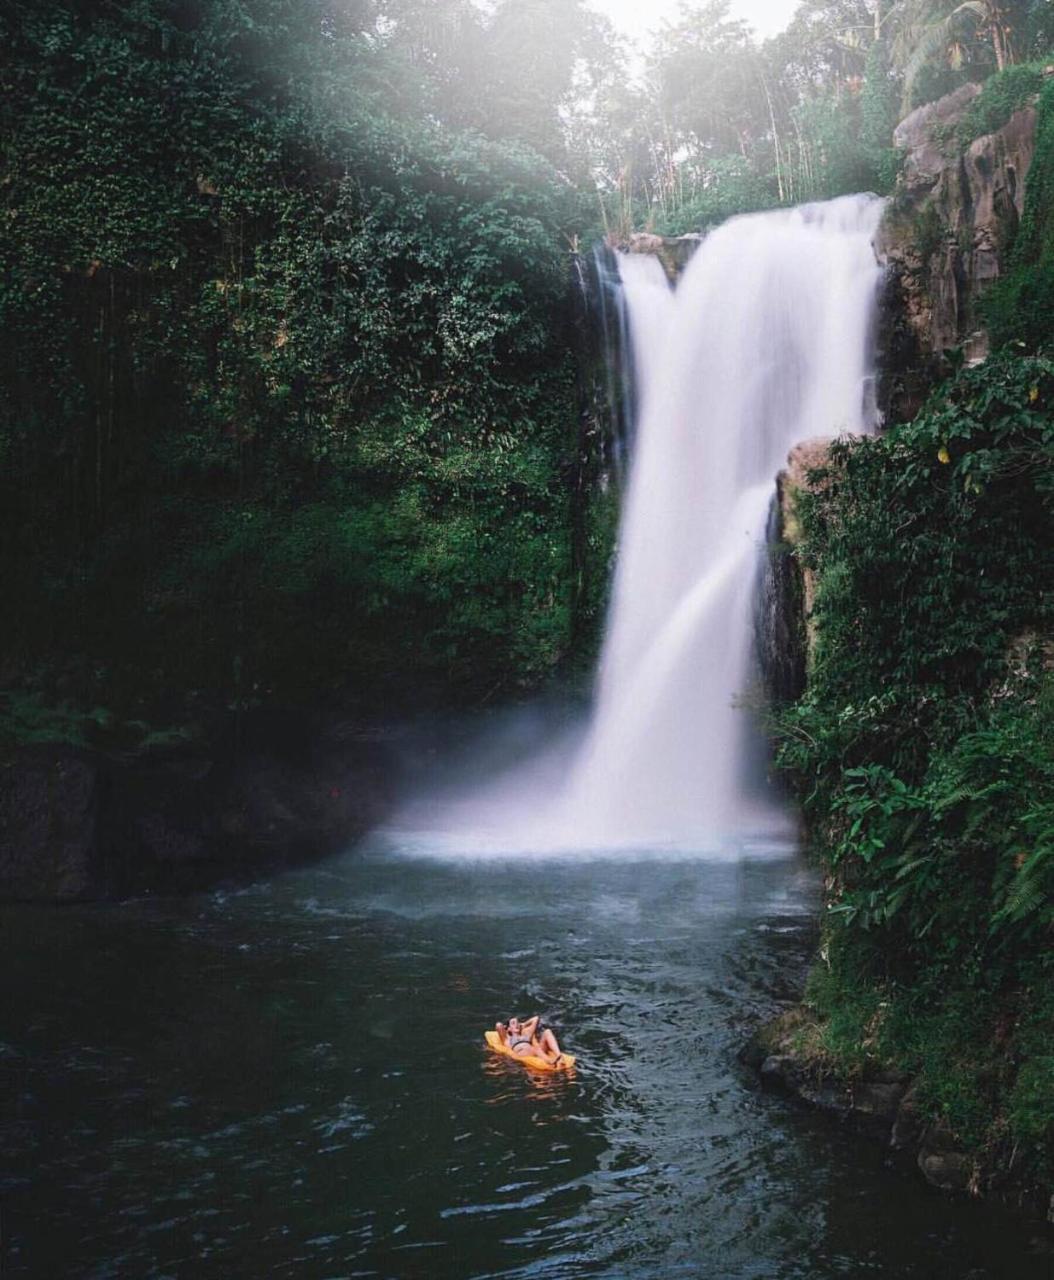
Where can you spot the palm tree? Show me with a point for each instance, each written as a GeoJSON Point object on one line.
{"type": "Point", "coordinates": [927, 28]}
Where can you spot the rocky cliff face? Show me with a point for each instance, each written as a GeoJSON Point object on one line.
{"type": "Point", "coordinates": [77, 825]}
{"type": "Point", "coordinates": [674, 252]}
{"type": "Point", "coordinates": [945, 240]}
{"type": "Point", "coordinates": [784, 632]}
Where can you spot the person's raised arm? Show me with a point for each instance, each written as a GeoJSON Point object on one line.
{"type": "Point", "coordinates": [499, 1027]}
{"type": "Point", "coordinates": [531, 1025]}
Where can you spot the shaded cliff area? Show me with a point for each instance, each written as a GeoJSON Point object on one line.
{"type": "Point", "coordinates": [78, 825]}
{"type": "Point", "coordinates": [921, 746]}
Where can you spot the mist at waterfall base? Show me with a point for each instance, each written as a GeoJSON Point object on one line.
{"type": "Point", "coordinates": [766, 341]}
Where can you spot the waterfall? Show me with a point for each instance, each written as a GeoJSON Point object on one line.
{"type": "Point", "coordinates": [611, 317]}
{"type": "Point", "coordinates": [765, 342]}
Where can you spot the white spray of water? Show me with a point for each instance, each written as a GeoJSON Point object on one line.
{"type": "Point", "coordinates": [765, 342]}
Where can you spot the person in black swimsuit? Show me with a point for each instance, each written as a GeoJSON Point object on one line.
{"type": "Point", "coordinates": [522, 1039]}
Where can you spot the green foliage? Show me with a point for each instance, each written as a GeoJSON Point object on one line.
{"type": "Point", "coordinates": [928, 231]}
{"type": "Point", "coordinates": [1035, 242]}
{"type": "Point", "coordinates": [289, 401]}
{"type": "Point", "coordinates": [944, 1035]}
{"type": "Point", "coordinates": [878, 99]}
{"type": "Point", "coordinates": [1031, 1098]}
{"type": "Point", "coordinates": [1019, 309]}
{"type": "Point", "coordinates": [878, 118]}
{"type": "Point", "coordinates": [939, 42]}
{"type": "Point", "coordinates": [924, 745]}
{"type": "Point", "coordinates": [1001, 95]}
{"type": "Point", "coordinates": [728, 125]}
{"type": "Point", "coordinates": [732, 187]}
{"type": "Point", "coordinates": [835, 163]}
{"type": "Point", "coordinates": [26, 717]}
{"type": "Point", "coordinates": [947, 1034]}
{"type": "Point", "coordinates": [32, 717]}
{"type": "Point", "coordinates": [966, 501]}
{"type": "Point", "coordinates": [1038, 28]}
{"type": "Point", "coordinates": [977, 1044]}
{"type": "Point", "coordinates": [706, 71]}
{"type": "Point", "coordinates": [849, 1010]}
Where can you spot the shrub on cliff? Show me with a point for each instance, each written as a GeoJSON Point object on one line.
{"type": "Point", "coordinates": [924, 746]}
{"type": "Point", "coordinates": [1001, 95]}
{"type": "Point", "coordinates": [1019, 309]}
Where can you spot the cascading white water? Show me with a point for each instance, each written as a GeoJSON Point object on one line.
{"type": "Point", "coordinates": [765, 342]}
{"type": "Point", "coordinates": [604, 301]}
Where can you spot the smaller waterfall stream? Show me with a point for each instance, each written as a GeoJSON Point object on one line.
{"type": "Point", "coordinates": [605, 305]}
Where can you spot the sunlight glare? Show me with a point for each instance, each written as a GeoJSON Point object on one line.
{"type": "Point", "coordinates": [636, 20]}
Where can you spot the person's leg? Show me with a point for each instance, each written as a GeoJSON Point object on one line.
{"type": "Point", "coordinates": [549, 1043]}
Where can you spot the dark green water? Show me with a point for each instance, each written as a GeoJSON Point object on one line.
{"type": "Point", "coordinates": [288, 1081]}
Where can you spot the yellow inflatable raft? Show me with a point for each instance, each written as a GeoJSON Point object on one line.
{"type": "Point", "coordinates": [565, 1062]}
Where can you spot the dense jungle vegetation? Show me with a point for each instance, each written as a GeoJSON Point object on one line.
{"type": "Point", "coordinates": [923, 750]}
{"type": "Point", "coordinates": [290, 389]}
{"type": "Point", "coordinates": [297, 407]}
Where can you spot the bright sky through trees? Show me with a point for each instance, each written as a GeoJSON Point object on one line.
{"type": "Point", "coordinates": [636, 18]}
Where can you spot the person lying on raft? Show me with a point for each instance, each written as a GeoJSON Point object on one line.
{"type": "Point", "coordinates": [522, 1039]}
